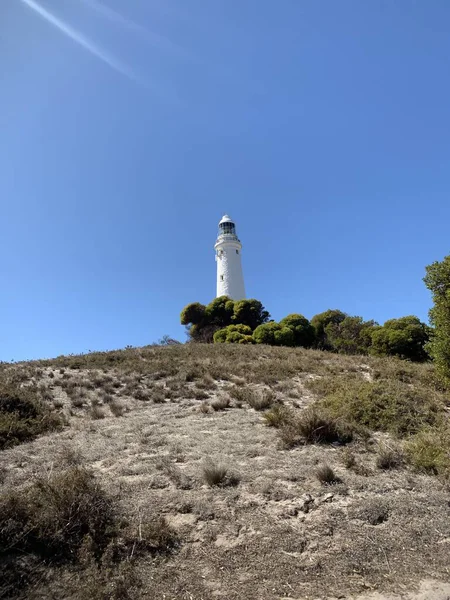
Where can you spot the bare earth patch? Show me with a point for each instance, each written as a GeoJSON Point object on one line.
{"type": "Point", "coordinates": [277, 531]}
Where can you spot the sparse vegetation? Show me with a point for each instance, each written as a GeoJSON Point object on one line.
{"type": "Point", "coordinates": [214, 474]}
{"type": "Point", "coordinates": [389, 457]}
{"type": "Point", "coordinates": [326, 475]}
{"type": "Point", "coordinates": [151, 463]}
{"type": "Point", "coordinates": [23, 417]}
{"type": "Point", "coordinates": [220, 403]}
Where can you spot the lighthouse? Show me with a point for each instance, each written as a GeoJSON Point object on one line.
{"type": "Point", "coordinates": [230, 280]}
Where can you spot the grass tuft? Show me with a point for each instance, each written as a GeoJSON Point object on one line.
{"type": "Point", "coordinates": [327, 476]}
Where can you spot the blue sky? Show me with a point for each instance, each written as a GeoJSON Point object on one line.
{"type": "Point", "coordinates": [129, 127]}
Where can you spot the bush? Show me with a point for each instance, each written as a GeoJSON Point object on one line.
{"type": "Point", "coordinates": [317, 427]}
{"type": "Point", "coordinates": [273, 334]}
{"type": "Point", "coordinates": [68, 519]}
{"type": "Point", "coordinates": [353, 335]}
{"type": "Point", "coordinates": [304, 333]}
{"type": "Point", "coordinates": [276, 416]}
{"type": "Point", "coordinates": [47, 522]}
{"type": "Point", "coordinates": [233, 334]}
{"type": "Point", "coordinates": [384, 406]}
{"type": "Point", "coordinates": [320, 322]}
{"type": "Point", "coordinates": [220, 403]}
{"type": "Point", "coordinates": [23, 417]}
{"type": "Point", "coordinates": [326, 475]}
{"type": "Point", "coordinates": [405, 338]}
{"type": "Point", "coordinates": [204, 321]}
{"type": "Point", "coordinates": [313, 426]}
{"type": "Point", "coordinates": [429, 451]}
{"type": "Point", "coordinates": [218, 475]}
{"type": "Point", "coordinates": [389, 458]}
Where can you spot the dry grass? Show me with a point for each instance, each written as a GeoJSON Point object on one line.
{"type": "Point", "coordinates": [326, 475]}
{"type": "Point", "coordinates": [381, 531]}
{"type": "Point", "coordinates": [389, 457]}
{"type": "Point", "coordinates": [220, 403]}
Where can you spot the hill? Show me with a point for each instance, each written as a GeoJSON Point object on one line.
{"type": "Point", "coordinates": [223, 471]}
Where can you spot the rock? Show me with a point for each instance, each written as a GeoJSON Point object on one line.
{"type": "Point", "coordinates": [327, 498]}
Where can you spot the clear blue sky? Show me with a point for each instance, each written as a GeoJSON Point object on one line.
{"type": "Point", "coordinates": [128, 128]}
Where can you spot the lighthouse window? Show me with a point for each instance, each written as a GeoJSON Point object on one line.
{"type": "Point", "coordinates": [221, 278]}
{"type": "Point", "coordinates": [237, 251]}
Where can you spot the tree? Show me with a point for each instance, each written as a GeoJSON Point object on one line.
{"type": "Point", "coordinates": [220, 311]}
{"type": "Point", "coordinates": [405, 338]}
{"type": "Point", "coordinates": [204, 321]}
{"type": "Point", "coordinates": [273, 334]}
{"type": "Point", "coordinates": [193, 313]}
{"type": "Point", "coordinates": [304, 333]}
{"type": "Point", "coordinates": [437, 280]}
{"type": "Point", "coordinates": [353, 335]}
{"type": "Point", "coordinates": [320, 322]}
{"type": "Point", "coordinates": [250, 312]}
{"type": "Point", "coordinates": [234, 334]}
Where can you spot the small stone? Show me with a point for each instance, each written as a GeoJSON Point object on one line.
{"type": "Point", "coordinates": [327, 498]}
{"type": "Point", "coordinates": [291, 511]}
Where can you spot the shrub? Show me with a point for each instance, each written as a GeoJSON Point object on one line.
{"type": "Point", "coordinates": [68, 519]}
{"type": "Point", "coordinates": [315, 426]}
{"type": "Point", "coordinates": [348, 459]}
{"type": "Point", "coordinates": [374, 511]}
{"type": "Point", "coordinates": [261, 400]}
{"type": "Point", "coordinates": [326, 475]}
{"type": "Point", "coordinates": [405, 338]}
{"type": "Point", "coordinates": [304, 333]}
{"type": "Point", "coordinates": [23, 417]}
{"type": "Point", "coordinates": [384, 406]}
{"type": "Point", "coordinates": [273, 334]}
{"type": "Point", "coordinates": [204, 321]}
{"type": "Point", "coordinates": [353, 335]}
{"type": "Point", "coordinates": [220, 403]}
{"type": "Point", "coordinates": [276, 416]}
{"type": "Point", "coordinates": [428, 451]}
{"type": "Point", "coordinates": [320, 322]}
{"type": "Point", "coordinates": [97, 412]}
{"type": "Point", "coordinates": [117, 408]}
{"type": "Point", "coordinates": [51, 518]}
{"type": "Point", "coordinates": [233, 334]}
{"type": "Point", "coordinates": [215, 474]}
{"type": "Point", "coordinates": [389, 458]}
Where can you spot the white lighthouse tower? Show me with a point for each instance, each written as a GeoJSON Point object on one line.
{"type": "Point", "coordinates": [230, 280]}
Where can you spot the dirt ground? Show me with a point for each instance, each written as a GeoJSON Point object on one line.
{"type": "Point", "coordinates": [275, 532]}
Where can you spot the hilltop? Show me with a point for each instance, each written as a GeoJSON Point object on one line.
{"type": "Point", "coordinates": [223, 471]}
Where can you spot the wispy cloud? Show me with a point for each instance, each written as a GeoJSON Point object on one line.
{"type": "Point", "coordinates": [157, 40]}
{"type": "Point", "coordinates": [88, 45]}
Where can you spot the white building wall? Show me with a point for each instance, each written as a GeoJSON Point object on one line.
{"type": "Point", "coordinates": [230, 279]}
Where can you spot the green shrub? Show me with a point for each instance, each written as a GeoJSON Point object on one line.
{"type": "Point", "coordinates": [320, 322]}
{"type": "Point", "coordinates": [304, 333]}
{"type": "Point", "coordinates": [233, 334]}
{"type": "Point", "coordinates": [429, 450]}
{"type": "Point", "coordinates": [23, 417]}
{"type": "Point", "coordinates": [205, 321]}
{"type": "Point", "coordinates": [405, 338]}
{"type": "Point", "coordinates": [273, 334]}
{"type": "Point", "coordinates": [276, 416]}
{"type": "Point", "coordinates": [384, 406]}
{"type": "Point", "coordinates": [353, 335]}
